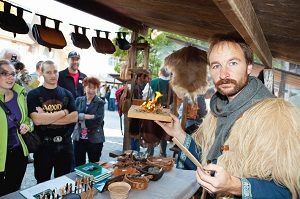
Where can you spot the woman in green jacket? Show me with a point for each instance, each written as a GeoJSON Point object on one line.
{"type": "Point", "coordinates": [13, 150]}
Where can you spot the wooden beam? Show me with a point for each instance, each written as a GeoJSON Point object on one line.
{"type": "Point", "coordinates": [131, 64]}
{"type": "Point", "coordinates": [102, 11]}
{"type": "Point", "coordinates": [292, 79]}
{"type": "Point", "coordinates": [241, 14]}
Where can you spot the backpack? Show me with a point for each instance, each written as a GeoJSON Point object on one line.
{"type": "Point", "coordinates": [123, 99]}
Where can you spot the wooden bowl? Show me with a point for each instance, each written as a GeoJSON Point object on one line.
{"type": "Point", "coordinates": [155, 171]}
{"type": "Point", "coordinates": [139, 183]}
{"type": "Point", "coordinates": [123, 171]}
{"type": "Point", "coordinates": [119, 190]}
{"type": "Point", "coordinates": [165, 162]}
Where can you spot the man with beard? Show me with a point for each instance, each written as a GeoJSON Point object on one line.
{"type": "Point", "coordinates": [51, 109]}
{"type": "Point", "coordinates": [240, 142]}
{"type": "Point", "coordinates": [71, 78]}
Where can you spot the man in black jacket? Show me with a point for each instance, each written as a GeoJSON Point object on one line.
{"type": "Point", "coordinates": [71, 78]}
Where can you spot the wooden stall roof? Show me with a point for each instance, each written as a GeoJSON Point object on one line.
{"type": "Point", "coordinates": [271, 27]}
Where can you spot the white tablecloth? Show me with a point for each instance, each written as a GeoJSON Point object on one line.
{"type": "Point", "coordinates": [175, 184]}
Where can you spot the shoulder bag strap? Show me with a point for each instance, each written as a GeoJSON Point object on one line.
{"type": "Point", "coordinates": [8, 113]}
{"type": "Point", "coordinates": [4, 107]}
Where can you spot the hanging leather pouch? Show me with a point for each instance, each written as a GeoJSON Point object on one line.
{"type": "Point", "coordinates": [122, 42]}
{"type": "Point", "coordinates": [11, 22]}
{"type": "Point", "coordinates": [80, 40]}
{"type": "Point", "coordinates": [49, 37]}
{"type": "Point", "coordinates": [103, 45]}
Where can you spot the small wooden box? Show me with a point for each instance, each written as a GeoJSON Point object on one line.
{"type": "Point", "coordinates": [135, 112]}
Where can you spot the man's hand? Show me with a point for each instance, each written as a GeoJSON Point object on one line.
{"type": "Point", "coordinates": [39, 110]}
{"type": "Point", "coordinates": [221, 182]}
{"type": "Point", "coordinates": [173, 128]}
{"type": "Point", "coordinates": [66, 111]}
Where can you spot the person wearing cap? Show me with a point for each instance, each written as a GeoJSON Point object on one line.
{"type": "Point", "coordinates": [71, 78]}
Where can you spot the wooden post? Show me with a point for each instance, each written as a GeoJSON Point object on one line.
{"type": "Point", "coordinates": [146, 57]}
{"type": "Point", "coordinates": [269, 79]}
{"type": "Point", "coordinates": [131, 65]}
{"type": "Point", "coordinates": [282, 85]}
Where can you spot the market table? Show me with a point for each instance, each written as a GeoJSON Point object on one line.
{"type": "Point", "coordinates": [175, 184]}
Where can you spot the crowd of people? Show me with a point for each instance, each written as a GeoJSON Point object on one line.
{"type": "Point", "coordinates": [56, 102]}
{"type": "Point", "coordinates": [239, 141]}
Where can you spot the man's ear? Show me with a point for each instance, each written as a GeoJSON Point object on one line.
{"type": "Point", "coordinates": [249, 68]}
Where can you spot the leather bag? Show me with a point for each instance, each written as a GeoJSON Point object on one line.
{"type": "Point", "coordinates": [13, 23]}
{"type": "Point", "coordinates": [150, 133]}
{"type": "Point", "coordinates": [31, 139]}
{"type": "Point", "coordinates": [80, 40]}
{"type": "Point", "coordinates": [49, 37]}
{"type": "Point", "coordinates": [103, 45]}
{"type": "Point", "coordinates": [122, 42]}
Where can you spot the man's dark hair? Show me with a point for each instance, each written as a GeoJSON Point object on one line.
{"type": "Point", "coordinates": [234, 38]}
{"type": "Point", "coordinates": [38, 65]}
{"type": "Point", "coordinates": [18, 65]}
{"type": "Point", "coordinates": [139, 75]}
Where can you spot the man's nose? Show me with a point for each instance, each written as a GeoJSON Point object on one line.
{"type": "Point", "coordinates": [224, 73]}
{"type": "Point", "coordinates": [53, 74]}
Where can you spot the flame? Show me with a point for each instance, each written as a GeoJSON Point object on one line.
{"type": "Point", "coordinates": [157, 95]}
{"type": "Point", "coordinates": [150, 105]}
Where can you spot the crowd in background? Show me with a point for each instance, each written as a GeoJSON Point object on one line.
{"type": "Point", "coordinates": [54, 105]}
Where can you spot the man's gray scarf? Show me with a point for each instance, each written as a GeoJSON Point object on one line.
{"type": "Point", "coordinates": [228, 112]}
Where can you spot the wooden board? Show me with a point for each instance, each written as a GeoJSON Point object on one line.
{"type": "Point", "coordinates": [135, 112]}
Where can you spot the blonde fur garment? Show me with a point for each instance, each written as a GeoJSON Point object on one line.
{"type": "Point", "coordinates": [189, 71]}
{"type": "Point", "coordinates": [264, 143]}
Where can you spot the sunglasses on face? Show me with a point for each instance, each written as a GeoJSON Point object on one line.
{"type": "Point", "coordinates": [7, 74]}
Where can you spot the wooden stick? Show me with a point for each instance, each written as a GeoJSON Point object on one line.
{"type": "Point", "coordinates": [193, 159]}
{"type": "Point", "coordinates": [187, 153]}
